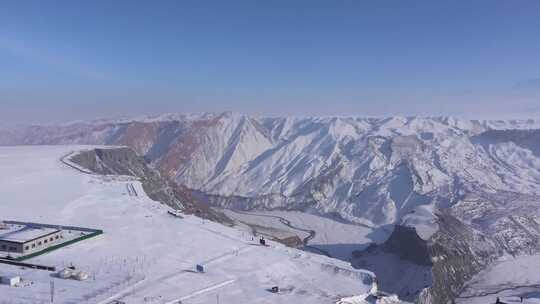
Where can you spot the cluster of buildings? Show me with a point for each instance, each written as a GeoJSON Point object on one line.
{"type": "Point", "coordinates": [20, 241]}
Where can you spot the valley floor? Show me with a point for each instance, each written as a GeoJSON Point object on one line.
{"type": "Point", "coordinates": [323, 235]}
{"type": "Point", "coordinates": [508, 279]}
{"type": "Point", "coordinates": [146, 255]}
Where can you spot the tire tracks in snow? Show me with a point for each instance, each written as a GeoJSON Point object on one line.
{"type": "Point", "coordinates": [131, 190]}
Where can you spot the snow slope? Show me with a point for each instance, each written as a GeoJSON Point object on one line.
{"type": "Point", "coordinates": [146, 255]}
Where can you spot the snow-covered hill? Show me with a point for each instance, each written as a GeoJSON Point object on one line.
{"type": "Point", "coordinates": [145, 255]}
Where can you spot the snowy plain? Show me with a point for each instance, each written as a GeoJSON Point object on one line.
{"type": "Point", "coordinates": [146, 255]}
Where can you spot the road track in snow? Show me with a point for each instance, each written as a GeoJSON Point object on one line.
{"type": "Point", "coordinates": [65, 160]}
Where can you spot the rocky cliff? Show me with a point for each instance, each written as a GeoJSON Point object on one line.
{"type": "Point", "coordinates": [441, 265]}
{"type": "Point", "coordinates": [124, 161]}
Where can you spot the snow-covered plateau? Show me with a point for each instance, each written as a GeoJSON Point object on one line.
{"type": "Point", "coordinates": [145, 255]}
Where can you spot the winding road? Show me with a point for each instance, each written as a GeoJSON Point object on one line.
{"type": "Point", "coordinates": [65, 160]}
{"type": "Point", "coordinates": [287, 223]}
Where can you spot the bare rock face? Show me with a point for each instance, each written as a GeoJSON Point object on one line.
{"type": "Point", "coordinates": [458, 252]}
{"type": "Point", "coordinates": [124, 161]}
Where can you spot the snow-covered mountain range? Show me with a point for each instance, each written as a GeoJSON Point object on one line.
{"type": "Point", "coordinates": [374, 172]}
{"type": "Point", "coordinates": [368, 170]}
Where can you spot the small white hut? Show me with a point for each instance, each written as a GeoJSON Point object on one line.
{"type": "Point", "coordinates": [9, 279]}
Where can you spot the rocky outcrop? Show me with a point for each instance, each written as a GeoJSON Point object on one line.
{"type": "Point", "coordinates": [124, 161]}
{"type": "Point", "coordinates": [458, 252]}
{"type": "Point", "coordinates": [406, 244]}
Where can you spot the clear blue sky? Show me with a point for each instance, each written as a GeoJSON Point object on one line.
{"type": "Point", "coordinates": [65, 60]}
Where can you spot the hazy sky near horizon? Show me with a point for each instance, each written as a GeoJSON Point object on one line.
{"type": "Point", "coordinates": [69, 60]}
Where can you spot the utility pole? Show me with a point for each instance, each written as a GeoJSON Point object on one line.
{"type": "Point", "coordinates": [217, 298]}
{"type": "Point", "coordinates": [52, 291]}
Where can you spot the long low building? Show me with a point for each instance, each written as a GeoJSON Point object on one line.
{"type": "Point", "coordinates": [25, 239]}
